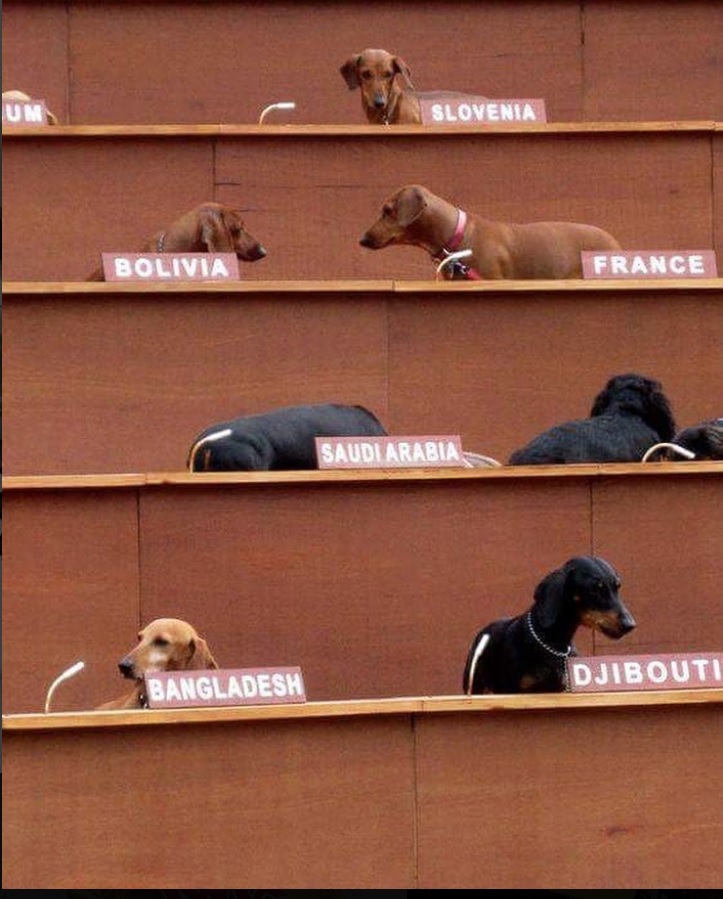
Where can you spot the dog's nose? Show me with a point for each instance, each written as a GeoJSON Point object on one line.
{"type": "Point", "coordinates": [261, 252]}
{"type": "Point", "coordinates": [126, 667]}
{"type": "Point", "coordinates": [366, 240]}
{"type": "Point", "coordinates": [627, 623]}
{"type": "Point", "coordinates": [379, 101]}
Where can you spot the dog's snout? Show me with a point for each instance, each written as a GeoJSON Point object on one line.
{"type": "Point", "coordinates": [261, 252]}
{"type": "Point", "coordinates": [627, 622]}
{"type": "Point", "coordinates": [366, 240]}
{"type": "Point", "coordinates": [126, 667]}
{"type": "Point", "coordinates": [379, 101]}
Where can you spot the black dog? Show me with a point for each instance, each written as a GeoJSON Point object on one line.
{"type": "Point", "coordinates": [279, 440]}
{"type": "Point", "coordinates": [628, 416]}
{"type": "Point", "coordinates": [528, 654]}
{"type": "Point", "coordinates": [705, 440]}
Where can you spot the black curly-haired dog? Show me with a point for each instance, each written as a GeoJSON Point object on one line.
{"type": "Point", "coordinates": [278, 440]}
{"type": "Point", "coordinates": [528, 654]}
{"type": "Point", "coordinates": [628, 416]}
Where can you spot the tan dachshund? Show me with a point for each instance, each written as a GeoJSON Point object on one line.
{"type": "Point", "coordinates": [166, 644]}
{"type": "Point", "coordinates": [387, 93]}
{"type": "Point", "coordinates": [539, 250]}
{"type": "Point", "coordinates": [21, 97]}
{"type": "Point", "coordinates": [209, 228]}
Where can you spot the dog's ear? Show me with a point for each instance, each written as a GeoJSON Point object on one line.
{"type": "Point", "coordinates": [202, 657]}
{"type": "Point", "coordinates": [550, 596]}
{"type": "Point", "coordinates": [401, 68]}
{"type": "Point", "coordinates": [602, 400]}
{"type": "Point", "coordinates": [350, 71]}
{"type": "Point", "coordinates": [658, 413]}
{"type": "Point", "coordinates": [410, 204]}
{"type": "Point", "coordinates": [215, 235]}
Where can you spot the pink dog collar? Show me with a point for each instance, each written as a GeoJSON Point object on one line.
{"type": "Point", "coordinates": [458, 232]}
{"type": "Point", "coordinates": [454, 244]}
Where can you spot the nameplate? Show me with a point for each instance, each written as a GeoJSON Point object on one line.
{"type": "Point", "coordinates": [222, 687]}
{"type": "Point", "coordinates": [673, 671]}
{"type": "Point", "coordinates": [170, 266]}
{"type": "Point", "coordinates": [649, 264]}
{"type": "Point", "coordinates": [24, 112]}
{"type": "Point", "coordinates": [389, 452]}
{"type": "Point", "coordinates": [465, 110]}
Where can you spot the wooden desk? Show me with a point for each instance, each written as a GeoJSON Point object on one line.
{"type": "Point", "coordinates": [602, 791]}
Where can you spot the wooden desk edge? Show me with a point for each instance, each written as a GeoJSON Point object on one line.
{"type": "Point", "coordinates": [30, 289]}
{"type": "Point", "coordinates": [359, 476]}
{"type": "Point", "coordinates": [291, 130]}
{"type": "Point", "coordinates": [420, 705]}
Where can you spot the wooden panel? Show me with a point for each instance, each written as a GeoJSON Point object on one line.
{"type": "Point", "coordinates": [70, 592]}
{"type": "Point", "coordinates": [220, 62]}
{"type": "Point", "coordinates": [375, 586]}
{"type": "Point", "coordinates": [500, 797]}
{"type": "Point", "coordinates": [649, 192]}
{"type": "Point", "coordinates": [430, 791]}
{"type": "Point", "coordinates": [652, 61]}
{"type": "Point", "coordinates": [375, 590]}
{"type": "Point", "coordinates": [209, 806]}
{"type": "Point", "coordinates": [216, 62]}
{"type": "Point", "coordinates": [671, 536]}
{"type": "Point", "coordinates": [72, 201]}
{"type": "Point", "coordinates": [148, 373]}
{"type": "Point", "coordinates": [310, 195]}
{"type": "Point", "coordinates": [501, 369]}
{"type": "Point", "coordinates": [35, 53]}
{"type": "Point", "coordinates": [718, 191]}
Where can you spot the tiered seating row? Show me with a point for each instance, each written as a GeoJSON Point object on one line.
{"type": "Point", "coordinates": [425, 793]}
{"type": "Point", "coordinates": [224, 62]}
{"type": "Point", "coordinates": [310, 192]}
{"type": "Point", "coordinates": [101, 378]}
{"type": "Point", "coordinates": [374, 583]}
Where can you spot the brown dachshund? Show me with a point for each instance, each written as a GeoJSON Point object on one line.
{"type": "Point", "coordinates": [166, 644]}
{"type": "Point", "coordinates": [387, 93]}
{"type": "Point", "coordinates": [209, 228]}
{"type": "Point", "coordinates": [539, 250]}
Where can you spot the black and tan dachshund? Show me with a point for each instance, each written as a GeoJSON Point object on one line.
{"type": "Point", "coordinates": [629, 415]}
{"type": "Point", "coordinates": [528, 654]}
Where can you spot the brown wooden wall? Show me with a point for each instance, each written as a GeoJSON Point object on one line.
{"type": "Point", "coordinates": [309, 194]}
{"type": "Point", "coordinates": [101, 379]}
{"type": "Point", "coordinates": [184, 62]}
{"type": "Point", "coordinates": [374, 584]}
{"type": "Point", "coordinates": [425, 794]}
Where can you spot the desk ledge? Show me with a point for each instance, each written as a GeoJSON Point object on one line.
{"type": "Point", "coordinates": [419, 705]}
{"type": "Point", "coordinates": [389, 475]}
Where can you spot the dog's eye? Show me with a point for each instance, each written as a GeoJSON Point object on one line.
{"type": "Point", "coordinates": [389, 75]}
{"type": "Point", "coordinates": [160, 641]}
{"type": "Point", "coordinates": [366, 75]}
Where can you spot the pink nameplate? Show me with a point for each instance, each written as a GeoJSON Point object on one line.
{"type": "Point", "coordinates": [465, 110]}
{"type": "Point", "coordinates": [670, 671]}
{"type": "Point", "coordinates": [170, 266]}
{"type": "Point", "coordinates": [641, 264]}
{"type": "Point", "coordinates": [238, 686]}
{"type": "Point", "coordinates": [24, 112]}
{"type": "Point", "coordinates": [389, 452]}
